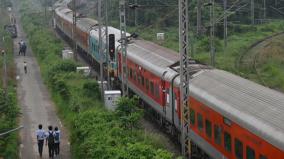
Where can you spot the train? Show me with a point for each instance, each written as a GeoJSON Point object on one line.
{"type": "Point", "coordinates": [230, 117]}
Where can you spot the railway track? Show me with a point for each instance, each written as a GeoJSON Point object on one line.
{"type": "Point", "coordinates": [249, 59]}
{"type": "Point", "coordinates": [255, 62]}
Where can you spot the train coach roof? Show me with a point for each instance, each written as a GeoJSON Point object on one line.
{"type": "Point", "coordinates": [65, 13]}
{"type": "Point", "coordinates": [84, 24]}
{"type": "Point", "coordinates": [151, 56]}
{"type": "Point", "coordinates": [254, 107]}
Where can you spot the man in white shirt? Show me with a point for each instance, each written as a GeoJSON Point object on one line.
{"type": "Point", "coordinates": [56, 140]}
{"type": "Point", "coordinates": [40, 135]}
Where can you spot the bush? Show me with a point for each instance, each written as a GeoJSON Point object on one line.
{"type": "Point", "coordinates": [128, 112]}
{"type": "Point", "coordinates": [98, 134]}
{"type": "Point", "coordinates": [64, 66]}
{"type": "Point", "coordinates": [91, 89]}
{"type": "Point", "coordinates": [9, 112]}
{"type": "Point", "coordinates": [243, 28]}
{"type": "Point", "coordinates": [61, 87]}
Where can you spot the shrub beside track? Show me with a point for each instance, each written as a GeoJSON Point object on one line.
{"type": "Point", "coordinates": [8, 106]}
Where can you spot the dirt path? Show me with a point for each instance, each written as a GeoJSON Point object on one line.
{"type": "Point", "coordinates": [36, 105]}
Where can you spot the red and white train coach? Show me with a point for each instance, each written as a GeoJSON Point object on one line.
{"type": "Point", "coordinates": [231, 117]}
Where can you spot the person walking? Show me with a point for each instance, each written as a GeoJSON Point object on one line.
{"type": "Point", "coordinates": [56, 140]}
{"type": "Point", "coordinates": [50, 142]}
{"type": "Point", "coordinates": [25, 67]}
{"type": "Point", "coordinates": [24, 48]}
{"type": "Point", "coordinates": [40, 135]}
{"type": "Point", "coordinates": [21, 43]}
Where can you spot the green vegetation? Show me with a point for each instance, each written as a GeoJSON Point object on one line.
{"type": "Point", "coordinates": [8, 119]}
{"type": "Point", "coordinates": [95, 132]}
{"type": "Point", "coordinates": [8, 105]}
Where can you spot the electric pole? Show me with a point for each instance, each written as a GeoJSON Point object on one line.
{"type": "Point", "coordinates": [264, 10]}
{"type": "Point", "coordinates": [136, 13]}
{"type": "Point", "coordinates": [184, 76]}
{"type": "Point", "coordinates": [199, 4]}
{"type": "Point", "coordinates": [252, 11]}
{"type": "Point", "coordinates": [103, 36]}
{"type": "Point", "coordinates": [74, 30]}
{"type": "Point", "coordinates": [124, 75]}
{"type": "Point", "coordinates": [225, 24]}
{"type": "Point", "coordinates": [107, 44]}
{"type": "Point", "coordinates": [45, 4]}
{"type": "Point", "coordinates": [5, 68]}
{"type": "Point", "coordinates": [212, 33]}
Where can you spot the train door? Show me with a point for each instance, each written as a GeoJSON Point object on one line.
{"type": "Point", "coordinates": [167, 93]}
{"type": "Point", "coordinates": [176, 108]}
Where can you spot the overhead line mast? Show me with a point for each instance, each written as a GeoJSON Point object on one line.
{"type": "Point", "coordinates": [184, 75]}
{"type": "Point", "coordinates": [122, 14]}
{"type": "Point", "coordinates": [74, 30]}
{"type": "Point", "coordinates": [103, 35]}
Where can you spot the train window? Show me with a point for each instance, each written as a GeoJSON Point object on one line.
{"type": "Point", "coordinates": [139, 78]}
{"type": "Point", "coordinates": [238, 149]}
{"type": "Point", "coordinates": [250, 153]}
{"type": "Point", "coordinates": [134, 75]}
{"type": "Point", "coordinates": [217, 134]}
{"type": "Point", "coordinates": [157, 91]}
{"type": "Point", "coordinates": [227, 141]}
{"type": "Point", "coordinates": [142, 80]}
{"type": "Point", "coordinates": [262, 157]}
{"type": "Point", "coordinates": [192, 116]}
{"type": "Point", "coordinates": [147, 84]}
{"type": "Point", "coordinates": [208, 128]}
{"type": "Point", "coordinates": [200, 121]}
{"type": "Point", "coordinates": [130, 72]}
{"type": "Point", "coordinates": [152, 87]}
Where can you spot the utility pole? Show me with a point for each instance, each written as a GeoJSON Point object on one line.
{"type": "Point", "coordinates": [184, 76]}
{"type": "Point", "coordinates": [252, 11]}
{"type": "Point", "coordinates": [5, 69]}
{"type": "Point", "coordinates": [45, 4]}
{"type": "Point", "coordinates": [212, 33]}
{"type": "Point", "coordinates": [264, 10]}
{"type": "Point", "coordinates": [107, 44]}
{"type": "Point", "coordinates": [53, 15]}
{"type": "Point", "coordinates": [225, 24]}
{"type": "Point", "coordinates": [124, 75]}
{"type": "Point", "coordinates": [136, 14]}
{"type": "Point", "coordinates": [199, 4]}
{"type": "Point", "coordinates": [74, 30]}
{"type": "Point", "coordinates": [103, 35]}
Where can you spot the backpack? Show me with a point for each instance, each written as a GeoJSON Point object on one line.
{"type": "Point", "coordinates": [56, 137]}
{"type": "Point", "coordinates": [50, 138]}
{"type": "Point", "coordinates": [24, 46]}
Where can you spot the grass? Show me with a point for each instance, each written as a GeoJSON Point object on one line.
{"type": "Point", "coordinates": [8, 114]}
